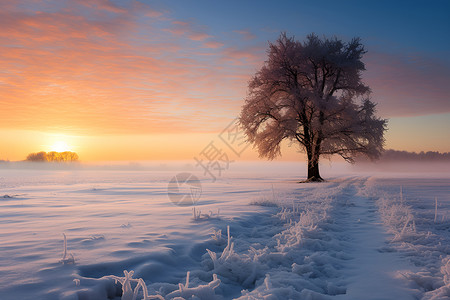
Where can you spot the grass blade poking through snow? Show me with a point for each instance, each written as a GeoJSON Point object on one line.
{"type": "Point", "coordinates": [65, 259]}
{"type": "Point", "coordinates": [200, 292]}
{"type": "Point", "coordinates": [183, 292]}
{"type": "Point", "coordinates": [435, 209]}
{"type": "Point", "coordinates": [127, 292]}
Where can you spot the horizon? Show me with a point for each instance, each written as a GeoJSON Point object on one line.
{"type": "Point", "coordinates": [386, 156]}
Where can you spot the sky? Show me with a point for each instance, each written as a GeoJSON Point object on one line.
{"type": "Point", "coordinates": [159, 80]}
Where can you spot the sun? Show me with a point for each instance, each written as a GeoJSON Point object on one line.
{"type": "Point", "coordinates": [60, 146]}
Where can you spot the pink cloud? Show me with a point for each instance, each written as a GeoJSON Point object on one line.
{"type": "Point", "coordinates": [188, 29]}
{"type": "Point", "coordinates": [104, 5]}
{"type": "Point", "coordinates": [250, 55]}
{"type": "Point", "coordinates": [181, 23]}
{"type": "Point", "coordinates": [408, 85]}
{"type": "Point", "coordinates": [64, 69]}
{"type": "Point", "coordinates": [246, 34]}
{"type": "Point", "coordinates": [198, 36]}
{"type": "Point", "coordinates": [213, 45]}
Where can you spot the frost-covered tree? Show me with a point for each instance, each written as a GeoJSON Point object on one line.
{"type": "Point", "coordinates": [311, 93]}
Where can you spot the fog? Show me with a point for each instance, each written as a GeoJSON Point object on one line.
{"type": "Point", "coordinates": [283, 169]}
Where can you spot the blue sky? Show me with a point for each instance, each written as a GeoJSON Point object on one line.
{"type": "Point", "coordinates": [411, 26]}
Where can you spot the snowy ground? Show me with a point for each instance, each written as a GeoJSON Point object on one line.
{"type": "Point", "coordinates": [357, 236]}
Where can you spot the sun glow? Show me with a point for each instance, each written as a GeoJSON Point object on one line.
{"type": "Point", "coordinates": [60, 146]}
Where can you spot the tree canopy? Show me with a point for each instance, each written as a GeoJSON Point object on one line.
{"type": "Point", "coordinates": [312, 93]}
{"type": "Point", "coordinates": [66, 156]}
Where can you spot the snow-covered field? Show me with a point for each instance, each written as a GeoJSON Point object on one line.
{"type": "Point", "coordinates": [256, 235]}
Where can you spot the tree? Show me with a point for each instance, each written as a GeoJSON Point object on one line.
{"type": "Point", "coordinates": [66, 156]}
{"type": "Point", "coordinates": [52, 156]}
{"type": "Point", "coordinates": [39, 156]}
{"type": "Point", "coordinates": [311, 93]}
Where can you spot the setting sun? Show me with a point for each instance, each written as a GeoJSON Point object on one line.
{"type": "Point", "coordinates": [60, 146]}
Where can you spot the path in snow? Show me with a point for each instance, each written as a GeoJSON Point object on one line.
{"type": "Point", "coordinates": [342, 250]}
{"type": "Point", "coordinates": [372, 273]}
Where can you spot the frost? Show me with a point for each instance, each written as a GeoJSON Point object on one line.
{"type": "Point", "coordinates": [311, 89]}
{"type": "Point", "coordinates": [198, 216]}
{"type": "Point", "coordinates": [226, 254]}
{"type": "Point", "coordinates": [399, 218]}
{"type": "Point", "coordinates": [127, 292]}
{"type": "Point", "coordinates": [217, 235]}
{"type": "Point", "coordinates": [200, 292]}
{"type": "Point", "coordinates": [423, 247]}
{"type": "Point", "coordinates": [292, 236]}
{"type": "Point", "coordinates": [445, 270]}
{"type": "Point", "coordinates": [240, 268]}
{"type": "Point", "coordinates": [65, 259]}
{"type": "Point", "coordinates": [307, 245]}
{"type": "Point", "coordinates": [184, 291]}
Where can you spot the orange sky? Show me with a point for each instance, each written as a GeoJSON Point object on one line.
{"type": "Point", "coordinates": [134, 82]}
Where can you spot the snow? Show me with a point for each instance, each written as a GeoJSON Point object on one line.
{"type": "Point", "coordinates": [254, 234]}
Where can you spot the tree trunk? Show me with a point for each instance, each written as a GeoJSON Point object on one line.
{"type": "Point", "coordinates": [313, 171]}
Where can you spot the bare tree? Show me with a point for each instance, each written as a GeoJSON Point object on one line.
{"type": "Point", "coordinates": [53, 156]}
{"type": "Point", "coordinates": [311, 93]}
{"type": "Point", "coordinates": [68, 156]}
{"type": "Point", "coordinates": [38, 157]}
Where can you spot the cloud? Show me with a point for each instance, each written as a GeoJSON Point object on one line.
{"type": "Point", "coordinates": [188, 29]}
{"type": "Point", "coordinates": [213, 45]}
{"type": "Point", "coordinates": [408, 85]}
{"type": "Point", "coordinates": [96, 67]}
{"type": "Point", "coordinates": [246, 34]}
{"type": "Point", "coordinates": [199, 36]}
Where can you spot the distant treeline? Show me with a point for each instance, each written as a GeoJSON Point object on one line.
{"type": "Point", "coordinates": [66, 156]}
{"type": "Point", "coordinates": [395, 155]}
